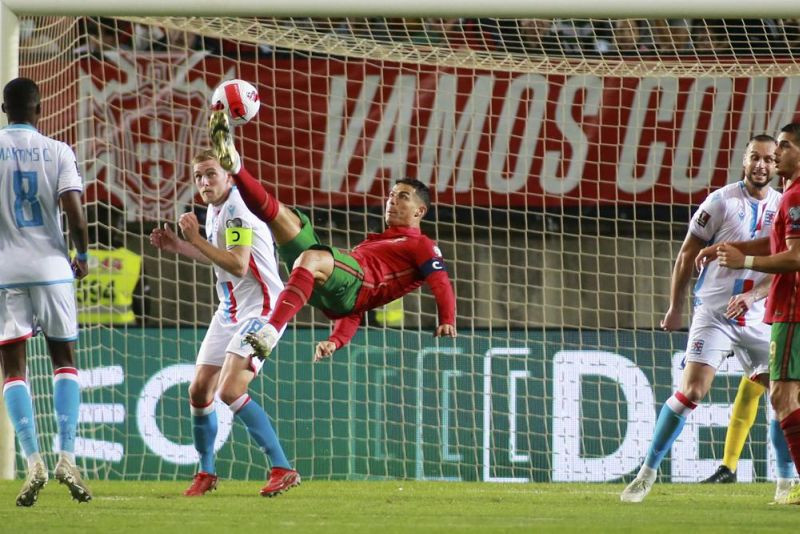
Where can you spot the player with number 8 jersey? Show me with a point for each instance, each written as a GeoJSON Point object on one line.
{"type": "Point", "coordinates": [39, 175]}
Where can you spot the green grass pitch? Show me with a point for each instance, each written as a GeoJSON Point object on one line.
{"type": "Point", "coordinates": [399, 506]}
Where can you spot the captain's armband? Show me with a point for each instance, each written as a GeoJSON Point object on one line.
{"type": "Point", "coordinates": [238, 236]}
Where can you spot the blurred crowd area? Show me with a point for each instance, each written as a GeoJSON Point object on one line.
{"type": "Point", "coordinates": [570, 38]}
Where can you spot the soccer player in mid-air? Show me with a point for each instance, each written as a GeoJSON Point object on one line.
{"type": "Point", "coordinates": [37, 174]}
{"type": "Point", "coordinates": [780, 256]}
{"type": "Point", "coordinates": [344, 285]}
{"type": "Point", "coordinates": [242, 252]}
{"type": "Point", "coordinates": [738, 211]}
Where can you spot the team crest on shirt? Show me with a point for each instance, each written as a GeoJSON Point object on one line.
{"type": "Point", "coordinates": [697, 346]}
{"type": "Point", "coordinates": [769, 216]}
{"type": "Point", "coordinates": [703, 218]}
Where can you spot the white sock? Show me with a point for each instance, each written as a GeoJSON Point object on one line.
{"type": "Point", "coordinates": [34, 458]}
{"type": "Point", "coordinates": [647, 473]}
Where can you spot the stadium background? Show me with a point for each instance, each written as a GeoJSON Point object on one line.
{"type": "Point", "coordinates": [560, 240]}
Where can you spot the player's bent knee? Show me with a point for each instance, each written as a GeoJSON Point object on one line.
{"type": "Point", "coordinates": [200, 393]}
{"type": "Point", "coordinates": [228, 393]}
{"type": "Point", "coordinates": [695, 392]}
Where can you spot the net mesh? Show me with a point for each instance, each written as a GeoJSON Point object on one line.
{"type": "Point", "coordinates": [565, 157]}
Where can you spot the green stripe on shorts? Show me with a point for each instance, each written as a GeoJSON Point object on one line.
{"type": "Point", "coordinates": [338, 295]}
{"type": "Point", "coordinates": [784, 352]}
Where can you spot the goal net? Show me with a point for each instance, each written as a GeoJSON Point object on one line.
{"type": "Point", "coordinates": [565, 157]}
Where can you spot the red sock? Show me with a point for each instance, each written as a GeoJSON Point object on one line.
{"type": "Point", "coordinates": [293, 297]}
{"type": "Point", "coordinates": [261, 203]}
{"type": "Point", "coordinates": [791, 429]}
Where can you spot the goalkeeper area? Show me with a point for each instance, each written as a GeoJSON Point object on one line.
{"type": "Point", "coordinates": [403, 506]}
{"type": "Point", "coordinates": [565, 157]}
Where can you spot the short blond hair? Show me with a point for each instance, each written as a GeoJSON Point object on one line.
{"type": "Point", "coordinates": [205, 155]}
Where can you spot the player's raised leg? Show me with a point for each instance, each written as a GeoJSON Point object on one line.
{"type": "Point", "coordinates": [237, 373]}
{"type": "Point", "coordinates": [743, 415]}
{"type": "Point", "coordinates": [283, 222]}
{"type": "Point", "coordinates": [204, 427]}
{"type": "Point", "coordinates": [697, 378]}
{"type": "Point", "coordinates": [19, 405]}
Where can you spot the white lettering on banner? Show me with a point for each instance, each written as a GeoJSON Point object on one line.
{"type": "Point", "coordinates": [420, 456]}
{"type": "Point", "coordinates": [513, 377]}
{"type": "Point", "coordinates": [395, 116]}
{"type": "Point", "coordinates": [535, 88]}
{"type": "Point", "coordinates": [574, 136]}
{"type": "Point", "coordinates": [568, 369]}
{"type": "Point", "coordinates": [456, 143]}
{"type": "Point", "coordinates": [340, 146]}
{"type": "Point", "coordinates": [752, 122]}
{"type": "Point", "coordinates": [682, 178]}
{"type": "Point", "coordinates": [686, 465]}
{"type": "Point", "coordinates": [786, 105]}
{"type": "Point", "coordinates": [147, 422]}
{"type": "Point", "coordinates": [487, 410]}
{"type": "Point", "coordinates": [627, 180]}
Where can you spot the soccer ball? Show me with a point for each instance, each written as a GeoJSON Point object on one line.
{"type": "Point", "coordinates": [238, 98]}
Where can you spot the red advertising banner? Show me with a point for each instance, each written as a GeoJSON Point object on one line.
{"type": "Point", "coordinates": [338, 132]}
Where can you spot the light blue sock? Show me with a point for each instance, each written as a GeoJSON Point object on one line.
{"type": "Point", "coordinates": [20, 411]}
{"type": "Point", "coordinates": [668, 428]}
{"type": "Point", "coordinates": [783, 458]}
{"type": "Point", "coordinates": [204, 429]}
{"type": "Point", "coordinates": [257, 422]}
{"type": "Point", "coordinates": [67, 403]}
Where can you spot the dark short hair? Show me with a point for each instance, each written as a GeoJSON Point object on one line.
{"type": "Point", "coordinates": [420, 189]}
{"type": "Point", "coordinates": [793, 129]}
{"type": "Point", "coordinates": [20, 95]}
{"type": "Point", "coordinates": [762, 138]}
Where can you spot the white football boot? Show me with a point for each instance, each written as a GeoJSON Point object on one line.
{"type": "Point", "coordinates": [34, 482]}
{"type": "Point", "coordinates": [68, 474]}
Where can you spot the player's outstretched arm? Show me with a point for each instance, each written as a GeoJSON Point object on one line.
{"type": "Point", "coordinates": [78, 231]}
{"type": "Point", "coordinates": [235, 261]}
{"type": "Point", "coordinates": [343, 331]}
{"type": "Point", "coordinates": [783, 262]}
{"type": "Point", "coordinates": [442, 290]}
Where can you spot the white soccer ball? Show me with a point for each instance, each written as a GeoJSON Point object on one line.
{"type": "Point", "coordinates": [238, 98]}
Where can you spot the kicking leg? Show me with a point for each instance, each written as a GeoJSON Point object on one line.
{"type": "Point", "coordinates": [283, 222]}
{"type": "Point", "coordinates": [236, 376]}
{"type": "Point", "coordinates": [204, 427]}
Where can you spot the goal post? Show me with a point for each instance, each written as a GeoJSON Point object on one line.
{"type": "Point", "coordinates": [563, 176]}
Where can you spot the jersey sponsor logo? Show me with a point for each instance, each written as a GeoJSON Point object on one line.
{"type": "Point", "coordinates": [794, 213]}
{"type": "Point", "coordinates": [697, 346]}
{"type": "Point", "coordinates": [703, 218]}
{"type": "Point", "coordinates": [234, 223]}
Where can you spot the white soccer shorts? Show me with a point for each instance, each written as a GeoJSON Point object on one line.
{"type": "Point", "coordinates": [49, 308]}
{"type": "Point", "coordinates": [712, 337]}
{"type": "Point", "coordinates": [223, 338]}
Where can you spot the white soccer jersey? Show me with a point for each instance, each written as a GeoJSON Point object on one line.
{"type": "Point", "coordinates": [255, 293]}
{"type": "Point", "coordinates": [731, 214]}
{"type": "Point", "coordinates": [34, 171]}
